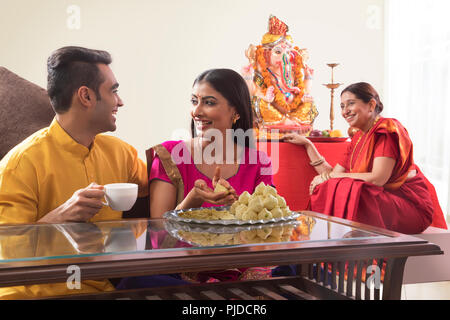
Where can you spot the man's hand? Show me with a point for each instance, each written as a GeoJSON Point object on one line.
{"type": "Point", "coordinates": [84, 237]}
{"type": "Point", "coordinates": [83, 205]}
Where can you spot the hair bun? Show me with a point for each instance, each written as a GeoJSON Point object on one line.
{"type": "Point", "coordinates": [380, 107]}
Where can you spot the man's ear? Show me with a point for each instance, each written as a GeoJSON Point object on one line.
{"type": "Point", "coordinates": [86, 96]}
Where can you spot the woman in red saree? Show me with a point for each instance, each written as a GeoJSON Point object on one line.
{"type": "Point", "coordinates": [376, 182]}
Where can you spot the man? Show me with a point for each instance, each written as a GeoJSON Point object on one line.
{"type": "Point", "coordinates": [57, 174]}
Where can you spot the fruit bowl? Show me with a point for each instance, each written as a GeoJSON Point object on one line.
{"type": "Point", "coordinates": [326, 136]}
{"type": "Point", "coordinates": [327, 139]}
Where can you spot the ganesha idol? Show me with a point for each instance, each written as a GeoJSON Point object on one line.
{"type": "Point", "coordinates": [280, 83]}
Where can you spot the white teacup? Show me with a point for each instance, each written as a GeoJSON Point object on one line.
{"type": "Point", "coordinates": [120, 196]}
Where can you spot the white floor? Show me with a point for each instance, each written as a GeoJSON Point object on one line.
{"type": "Point", "coordinates": [427, 291]}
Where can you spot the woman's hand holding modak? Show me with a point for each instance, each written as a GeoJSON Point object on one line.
{"type": "Point", "coordinates": [222, 185]}
{"type": "Point", "coordinates": [205, 194]}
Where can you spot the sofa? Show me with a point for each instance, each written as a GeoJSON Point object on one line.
{"type": "Point", "coordinates": [24, 109]}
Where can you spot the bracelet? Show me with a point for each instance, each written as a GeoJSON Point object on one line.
{"type": "Point", "coordinates": [317, 162]}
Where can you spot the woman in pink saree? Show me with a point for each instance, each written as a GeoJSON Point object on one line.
{"type": "Point", "coordinates": [184, 174]}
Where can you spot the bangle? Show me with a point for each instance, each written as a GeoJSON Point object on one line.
{"type": "Point", "coordinates": [317, 162]}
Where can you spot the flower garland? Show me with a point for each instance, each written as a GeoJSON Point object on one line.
{"type": "Point", "coordinates": [280, 99]}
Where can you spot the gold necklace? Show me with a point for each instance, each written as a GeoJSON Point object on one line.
{"type": "Point", "coordinates": [362, 147]}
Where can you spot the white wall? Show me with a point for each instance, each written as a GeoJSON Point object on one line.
{"type": "Point", "coordinates": [159, 47]}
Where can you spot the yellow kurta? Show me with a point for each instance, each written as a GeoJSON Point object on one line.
{"type": "Point", "coordinates": [45, 170]}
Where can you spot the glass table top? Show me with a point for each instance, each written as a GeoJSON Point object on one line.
{"type": "Point", "coordinates": [46, 241]}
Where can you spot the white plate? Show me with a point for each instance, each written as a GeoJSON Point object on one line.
{"type": "Point", "coordinates": [174, 215]}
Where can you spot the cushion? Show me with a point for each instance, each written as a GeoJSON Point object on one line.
{"type": "Point", "coordinates": [24, 109]}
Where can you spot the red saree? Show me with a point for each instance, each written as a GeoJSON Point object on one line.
{"type": "Point", "coordinates": [403, 205]}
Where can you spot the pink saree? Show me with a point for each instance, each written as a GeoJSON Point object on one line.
{"type": "Point", "coordinates": [172, 162]}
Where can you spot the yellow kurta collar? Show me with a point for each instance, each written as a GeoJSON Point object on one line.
{"type": "Point", "coordinates": [66, 141]}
